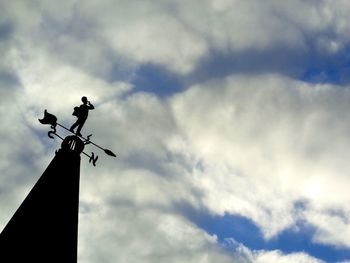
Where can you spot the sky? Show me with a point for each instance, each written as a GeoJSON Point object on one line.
{"type": "Point", "coordinates": [230, 120]}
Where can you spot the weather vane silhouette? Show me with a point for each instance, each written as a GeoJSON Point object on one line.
{"type": "Point", "coordinates": [81, 113]}
{"type": "Point", "coordinates": [45, 226]}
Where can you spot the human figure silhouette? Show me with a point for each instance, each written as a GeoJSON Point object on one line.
{"type": "Point", "coordinates": [82, 113]}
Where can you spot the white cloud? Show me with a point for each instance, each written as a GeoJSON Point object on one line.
{"type": "Point", "coordinates": [332, 226]}
{"type": "Point", "coordinates": [97, 35]}
{"type": "Point", "coordinates": [273, 256]}
{"type": "Point", "coordinates": [131, 234]}
{"type": "Point", "coordinates": [277, 256]}
{"type": "Point", "coordinates": [263, 144]}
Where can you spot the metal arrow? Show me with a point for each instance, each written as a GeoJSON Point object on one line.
{"type": "Point", "coordinates": [87, 140]}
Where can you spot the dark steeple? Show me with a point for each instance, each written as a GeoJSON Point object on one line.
{"type": "Point", "coordinates": [44, 229]}
{"type": "Point", "coordinates": [45, 226]}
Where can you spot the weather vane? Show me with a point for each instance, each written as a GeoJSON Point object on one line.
{"type": "Point", "coordinates": [81, 113]}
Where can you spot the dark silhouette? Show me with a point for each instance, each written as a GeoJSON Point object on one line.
{"type": "Point", "coordinates": [52, 120]}
{"type": "Point", "coordinates": [82, 113]}
{"type": "Point", "coordinates": [49, 119]}
{"type": "Point", "coordinates": [45, 226]}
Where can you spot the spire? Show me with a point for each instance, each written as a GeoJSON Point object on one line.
{"type": "Point", "coordinates": [45, 226]}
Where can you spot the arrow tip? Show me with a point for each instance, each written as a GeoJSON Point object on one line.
{"type": "Point", "coordinates": [110, 153]}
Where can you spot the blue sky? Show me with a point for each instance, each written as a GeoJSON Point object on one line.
{"type": "Point", "coordinates": [247, 233]}
{"type": "Point", "coordinates": [230, 120]}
